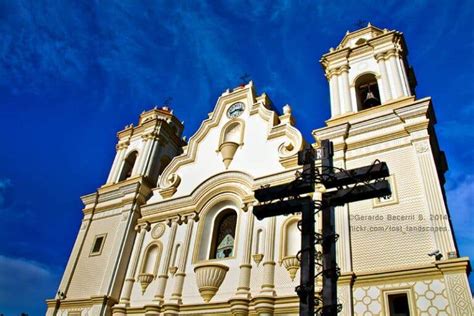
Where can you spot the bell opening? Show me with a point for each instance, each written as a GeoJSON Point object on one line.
{"type": "Point", "coordinates": [367, 90]}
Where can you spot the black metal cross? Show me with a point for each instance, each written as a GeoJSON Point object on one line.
{"type": "Point", "coordinates": [343, 186]}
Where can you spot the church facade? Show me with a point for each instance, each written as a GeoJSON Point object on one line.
{"type": "Point", "coordinates": [172, 232]}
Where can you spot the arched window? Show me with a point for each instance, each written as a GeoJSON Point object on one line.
{"type": "Point", "coordinates": [128, 164]}
{"type": "Point", "coordinates": [223, 235]}
{"type": "Point", "coordinates": [367, 91]}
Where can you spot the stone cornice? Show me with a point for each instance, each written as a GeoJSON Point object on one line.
{"type": "Point", "coordinates": [336, 71]}
{"type": "Point", "coordinates": [378, 125]}
{"type": "Point", "coordinates": [433, 270]}
{"type": "Point", "coordinates": [118, 194]}
{"type": "Point", "coordinates": [234, 182]}
{"type": "Point", "coordinates": [383, 46]}
{"type": "Point", "coordinates": [368, 113]}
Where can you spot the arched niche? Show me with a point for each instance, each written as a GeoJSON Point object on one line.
{"type": "Point", "coordinates": [231, 138]}
{"type": "Point", "coordinates": [151, 258]}
{"type": "Point", "coordinates": [290, 245]}
{"type": "Point", "coordinates": [290, 241]}
{"type": "Point", "coordinates": [128, 165]}
{"type": "Point", "coordinates": [367, 91]}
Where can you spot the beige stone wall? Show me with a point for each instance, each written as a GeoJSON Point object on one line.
{"type": "Point", "coordinates": [90, 270]}
{"type": "Point", "coordinates": [371, 237]}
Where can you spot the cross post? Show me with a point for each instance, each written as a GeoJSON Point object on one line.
{"type": "Point", "coordinates": [344, 186]}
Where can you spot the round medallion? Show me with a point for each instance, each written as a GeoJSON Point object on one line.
{"type": "Point", "coordinates": [235, 110]}
{"type": "Point", "coordinates": [158, 230]}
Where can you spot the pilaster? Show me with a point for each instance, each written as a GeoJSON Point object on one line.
{"type": "Point", "coordinates": [181, 272]}
{"type": "Point", "coordinates": [434, 198]}
{"type": "Point", "coordinates": [118, 163]}
{"type": "Point", "coordinates": [334, 90]}
{"type": "Point", "coordinates": [457, 285]}
{"type": "Point", "coordinates": [396, 82]}
{"type": "Point", "coordinates": [386, 94]}
{"type": "Point", "coordinates": [264, 302]}
{"type": "Point", "coordinates": [130, 279]}
{"type": "Point", "coordinates": [163, 277]}
{"type": "Point", "coordinates": [345, 89]}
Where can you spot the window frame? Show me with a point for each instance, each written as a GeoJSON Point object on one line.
{"type": "Point", "coordinates": [213, 245]}
{"type": "Point", "coordinates": [99, 252]}
{"type": "Point", "coordinates": [377, 202]}
{"type": "Point", "coordinates": [402, 290]}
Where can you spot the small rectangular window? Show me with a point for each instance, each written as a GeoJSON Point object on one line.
{"type": "Point", "coordinates": [388, 200]}
{"type": "Point", "coordinates": [97, 245]}
{"type": "Point", "coordinates": [398, 304]}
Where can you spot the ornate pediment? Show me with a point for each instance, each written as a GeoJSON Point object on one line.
{"type": "Point", "coordinates": [243, 133]}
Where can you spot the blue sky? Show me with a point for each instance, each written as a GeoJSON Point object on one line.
{"type": "Point", "coordinates": [74, 73]}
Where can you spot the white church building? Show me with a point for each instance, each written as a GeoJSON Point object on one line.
{"type": "Point", "coordinates": [172, 232]}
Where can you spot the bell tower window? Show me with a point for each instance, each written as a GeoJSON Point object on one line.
{"type": "Point", "coordinates": [223, 235]}
{"type": "Point", "coordinates": [128, 164]}
{"type": "Point", "coordinates": [367, 91]}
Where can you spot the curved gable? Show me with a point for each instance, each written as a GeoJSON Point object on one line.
{"type": "Point", "coordinates": [269, 144]}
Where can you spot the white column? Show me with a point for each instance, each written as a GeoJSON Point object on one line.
{"type": "Point", "coordinates": [269, 263]}
{"type": "Point", "coordinates": [403, 75]}
{"type": "Point", "coordinates": [396, 82]}
{"type": "Point", "coordinates": [181, 273]}
{"type": "Point", "coordinates": [129, 280]}
{"type": "Point", "coordinates": [345, 89]}
{"type": "Point", "coordinates": [334, 93]}
{"type": "Point", "coordinates": [386, 94]}
{"type": "Point", "coordinates": [119, 164]}
{"type": "Point", "coordinates": [245, 267]}
{"type": "Point", "coordinates": [114, 166]}
{"type": "Point", "coordinates": [163, 277]}
{"type": "Point", "coordinates": [151, 156]}
{"type": "Point", "coordinates": [142, 156]}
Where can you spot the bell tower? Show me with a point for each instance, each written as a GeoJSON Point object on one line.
{"type": "Point", "coordinates": [96, 268]}
{"type": "Point", "coordinates": [146, 149]}
{"type": "Point", "coordinates": [368, 68]}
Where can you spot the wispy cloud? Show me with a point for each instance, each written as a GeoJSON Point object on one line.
{"type": "Point", "coordinates": [23, 284]}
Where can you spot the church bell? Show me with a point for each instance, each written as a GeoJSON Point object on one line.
{"type": "Point", "coordinates": [370, 100]}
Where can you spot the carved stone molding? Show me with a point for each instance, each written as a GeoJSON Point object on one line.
{"type": "Point", "coordinates": [421, 147]}
{"type": "Point", "coordinates": [145, 279]}
{"type": "Point", "coordinates": [158, 231]}
{"type": "Point", "coordinates": [292, 265]}
{"type": "Point", "coordinates": [209, 277]}
{"type": "Point", "coordinates": [171, 185]}
{"type": "Point", "coordinates": [257, 258]}
{"type": "Point", "coordinates": [144, 225]}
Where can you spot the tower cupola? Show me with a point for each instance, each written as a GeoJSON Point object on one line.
{"type": "Point", "coordinates": [368, 68]}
